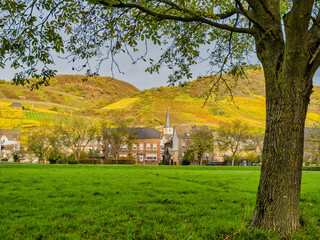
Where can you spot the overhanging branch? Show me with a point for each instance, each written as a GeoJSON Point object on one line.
{"type": "Point", "coordinates": [193, 18]}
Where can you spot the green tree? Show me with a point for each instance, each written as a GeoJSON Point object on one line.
{"type": "Point", "coordinates": [233, 136]}
{"type": "Point", "coordinates": [117, 136]}
{"type": "Point", "coordinates": [285, 35]}
{"type": "Point", "coordinates": [76, 132]}
{"type": "Point", "coordinates": [39, 143]}
{"type": "Point", "coordinates": [188, 156]}
{"type": "Point", "coordinates": [201, 141]}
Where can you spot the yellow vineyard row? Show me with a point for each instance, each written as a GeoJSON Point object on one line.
{"type": "Point", "coordinates": [12, 113]}
{"type": "Point", "coordinates": [123, 103]}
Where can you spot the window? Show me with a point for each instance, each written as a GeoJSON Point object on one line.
{"type": "Point", "coordinates": [124, 147]}
{"type": "Point", "coordinates": [141, 146]}
{"type": "Point", "coordinates": [155, 146]}
{"type": "Point", "coordinates": [134, 147]}
{"type": "Point", "coordinates": [151, 157]}
{"type": "Point", "coordinates": [148, 146]}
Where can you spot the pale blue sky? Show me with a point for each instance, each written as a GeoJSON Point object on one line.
{"type": "Point", "coordinates": [133, 73]}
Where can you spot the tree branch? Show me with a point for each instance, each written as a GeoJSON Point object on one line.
{"type": "Point", "coordinates": [194, 18]}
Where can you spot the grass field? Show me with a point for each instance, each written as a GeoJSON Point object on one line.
{"type": "Point", "coordinates": [139, 202]}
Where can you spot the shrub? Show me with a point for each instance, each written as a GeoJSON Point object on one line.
{"type": "Point", "coordinates": [16, 158]}
{"type": "Point", "coordinates": [66, 160]}
{"type": "Point", "coordinates": [188, 157]}
{"type": "Point", "coordinates": [55, 109]}
{"type": "Point", "coordinates": [4, 160]}
{"type": "Point", "coordinates": [185, 162]}
{"type": "Point", "coordinates": [121, 160]}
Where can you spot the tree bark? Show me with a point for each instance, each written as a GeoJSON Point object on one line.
{"type": "Point", "coordinates": [277, 205]}
{"type": "Point", "coordinates": [288, 89]}
{"type": "Point", "coordinates": [233, 158]}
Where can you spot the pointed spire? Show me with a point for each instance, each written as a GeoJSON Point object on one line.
{"type": "Point", "coordinates": [167, 119]}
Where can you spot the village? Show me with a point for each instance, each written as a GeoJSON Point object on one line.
{"type": "Point", "coordinates": [232, 144]}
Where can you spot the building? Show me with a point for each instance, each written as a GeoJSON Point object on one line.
{"type": "Point", "coordinates": [311, 144]}
{"type": "Point", "coordinates": [145, 147]}
{"type": "Point", "coordinates": [16, 105]}
{"type": "Point", "coordinates": [166, 136]}
{"type": "Point", "coordinates": [10, 141]}
{"type": "Point", "coordinates": [180, 142]}
{"type": "Point", "coordinates": [175, 141]}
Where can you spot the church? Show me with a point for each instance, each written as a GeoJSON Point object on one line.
{"type": "Point", "coordinates": [176, 140]}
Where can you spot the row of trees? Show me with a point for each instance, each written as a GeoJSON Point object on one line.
{"type": "Point", "coordinates": [70, 135]}
{"type": "Point", "coordinates": [67, 137]}
{"type": "Point", "coordinates": [233, 137]}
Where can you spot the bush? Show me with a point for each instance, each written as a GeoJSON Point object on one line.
{"type": "Point", "coordinates": [185, 162]}
{"type": "Point", "coordinates": [67, 160]}
{"type": "Point", "coordinates": [121, 160]}
{"type": "Point", "coordinates": [53, 155]}
{"type": "Point", "coordinates": [188, 157]}
{"type": "Point", "coordinates": [4, 160]}
{"type": "Point", "coordinates": [87, 160]}
{"type": "Point", "coordinates": [16, 158]}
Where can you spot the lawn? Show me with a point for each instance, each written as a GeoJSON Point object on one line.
{"type": "Point", "coordinates": [139, 202]}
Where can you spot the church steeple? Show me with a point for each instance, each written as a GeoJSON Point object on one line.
{"type": "Point", "coordinates": [167, 119]}
{"type": "Point", "coordinates": [167, 127]}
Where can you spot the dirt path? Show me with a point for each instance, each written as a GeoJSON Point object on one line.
{"type": "Point", "coordinates": [37, 102]}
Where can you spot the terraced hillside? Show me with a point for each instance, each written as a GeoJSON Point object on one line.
{"type": "Point", "coordinates": [73, 91]}
{"type": "Point", "coordinates": [113, 99]}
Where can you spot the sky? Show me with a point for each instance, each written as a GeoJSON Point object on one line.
{"type": "Point", "coordinates": [132, 73]}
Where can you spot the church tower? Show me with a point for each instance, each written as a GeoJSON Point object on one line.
{"type": "Point", "coordinates": [168, 129]}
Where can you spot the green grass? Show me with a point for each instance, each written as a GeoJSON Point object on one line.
{"type": "Point", "coordinates": [39, 116]}
{"type": "Point", "coordinates": [139, 202]}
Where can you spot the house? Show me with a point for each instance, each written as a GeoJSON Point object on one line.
{"type": "Point", "coordinates": [145, 147]}
{"type": "Point", "coordinates": [17, 106]}
{"type": "Point", "coordinates": [10, 141]}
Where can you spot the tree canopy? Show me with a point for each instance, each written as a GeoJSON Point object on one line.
{"type": "Point", "coordinates": [284, 33]}
{"type": "Point", "coordinates": [32, 31]}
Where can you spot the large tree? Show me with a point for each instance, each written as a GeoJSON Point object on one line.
{"type": "Point", "coordinates": [201, 141]}
{"type": "Point", "coordinates": [116, 137]}
{"type": "Point", "coordinates": [76, 132]}
{"type": "Point", "coordinates": [284, 33]}
{"type": "Point", "coordinates": [233, 136]}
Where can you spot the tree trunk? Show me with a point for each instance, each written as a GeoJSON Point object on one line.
{"type": "Point", "coordinates": [233, 158]}
{"type": "Point", "coordinates": [277, 205]}
{"type": "Point", "coordinates": [288, 79]}
{"type": "Point", "coordinates": [288, 90]}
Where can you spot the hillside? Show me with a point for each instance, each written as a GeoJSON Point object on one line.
{"type": "Point", "coordinates": [113, 99]}
{"type": "Point", "coordinates": [71, 91]}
